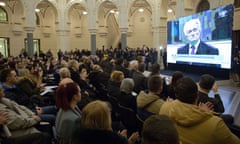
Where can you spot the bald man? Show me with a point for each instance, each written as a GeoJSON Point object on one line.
{"type": "Point", "coordinates": [192, 31]}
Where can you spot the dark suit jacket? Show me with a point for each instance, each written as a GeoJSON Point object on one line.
{"type": "Point", "coordinates": [203, 49]}
{"type": "Point", "coordinates": [216, 101]}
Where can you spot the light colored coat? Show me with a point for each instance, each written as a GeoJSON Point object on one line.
{"type": "Point", "coordinates": [149, 102]}
{"type": "Point", "coordinates": [65, 122]}
{"type": "Point", "coordinates": [20, 121]}
{"type": "Point", "coordinates": [196, 126]}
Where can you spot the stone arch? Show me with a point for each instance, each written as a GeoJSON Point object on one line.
{"type": "Point", "coordinates": [69, 6]}
{"type": "Point", "coordinates": [15, 10]}
{"type": "Point", "coordinates": [8, 13]}
{"type": "Point", "coordinates": [53, 5]}
{"type": "Point", "coordinates": [149, 2]}
{"type": "Point", "coordinates": [103, 15]}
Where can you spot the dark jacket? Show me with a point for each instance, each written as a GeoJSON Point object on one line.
{"type": "Point", "coordinates": [128, 100]}
{"type": "Point", "coordinates": [96, 136]}
{"type": "Point", "coordinates": [113, 88]}
{"type": "Point", "coordinates": [203, 49]}
{"type": "Point", "coordinates": [17, 95]}
{"type": "Point", "coordinates": [140, 81]}
{"type": "Point", "coordinates": [216, 101]}
{"type": "Point", "coordinates": [28, 86]}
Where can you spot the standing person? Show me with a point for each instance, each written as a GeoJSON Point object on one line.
{"type": "Point", "coordinates": [67, 97]}
{"type": "Point", "coordinates": [196, 124]}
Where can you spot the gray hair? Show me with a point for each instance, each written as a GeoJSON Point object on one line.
{"type": "Point", "coordinates": [127, 85]}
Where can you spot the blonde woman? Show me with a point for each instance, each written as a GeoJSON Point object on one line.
{"type": "Point", "coordinates": [95, 126]}
{"type": "Point", "coordinates": [114, 83]}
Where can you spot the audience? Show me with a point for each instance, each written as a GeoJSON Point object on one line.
{"type": "Point", "coordinates": [159, 129]}
{"type": "Point", "coordinates": [140, 81]}
{"type": "Point", "coordinates": [191, 115]}
{"type": "Point", "coordinates": [206, 84]}
{"type": "Point", "coordinates": [19, 123]}
{"type": "Point", "coordinates": [170, 89]}
{"type": "Point", "coordinates": [8, 78]}
{"type": "Point", "coordinates": [67, 97]}
{"type": "Point", "coordinates": [196, 124]}
{"type": "Point", "coordinates": [95, 127]}
{"type": "Point", "coordinates": [151, 101]}
{"type": "Point", "coordinates": [114, 83]}
{"type": "Point", "coordinates": [126, 97]}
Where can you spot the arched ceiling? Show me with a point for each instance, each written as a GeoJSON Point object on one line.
{"type": "Point", "coordinates": [139, 4]}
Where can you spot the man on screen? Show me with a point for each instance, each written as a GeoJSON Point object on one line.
{"type": "Point", "coordinates": [192, 31]}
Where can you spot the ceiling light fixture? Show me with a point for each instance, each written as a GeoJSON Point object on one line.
{"type": "Point", "coordinates": [37, 10]}
{"type": "Point", "coordinates": [2, 4]}
{"type": "Point", "coordinates": [141, 10]}
{"type": "Point", "coordinates": [170, 10]}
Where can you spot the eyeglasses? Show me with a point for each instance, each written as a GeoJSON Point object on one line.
{"type": "Point", "coordinates": [192, 30]}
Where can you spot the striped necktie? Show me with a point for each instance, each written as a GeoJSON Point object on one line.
{"type": "Point", "coordinates": [192, 50]}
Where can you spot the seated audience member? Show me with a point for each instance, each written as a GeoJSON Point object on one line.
{"type": "Point", "coordinates": [98, 78]}
{"type": "Point", "coordinates": [196, 124]}
{"type": "Point", "coordinates": [119, 67]}
{"type": "Point", "coordinates": [73, 66]}
{"type": "Point", "coordinates": [27, 83]}
{"type": "Point", "coordinates": [170, 89]}
{"type": "Point", "coordinates": [19, 120]}
{"type": "Point", "coordinates": [84, 82]}
{"type": "Point", "coordinates": [8, 82]}
{"type": "Point", "coordinates": [33, 138]}
{"type": "Point", "coordinates": [155, 70]}
{"type": "Point", "coordinates": [126, 98]}
{"type": "Point", "coordinates": [206, 84]}
{"type": "Point", "coordinates": [140, 81]}
{"type": "Point", "coordinates": [95, 126]}
{"type": "Point", "coordinates": [64, 72]}
{"type": "Point", "coordinates": [67, 97]}
{"type": "Point", "coordinates": [151, 101]}
{"type": "Point", "coordinates": [36, 71]}
{"type": "Point", "coordinates": [159, 129]}
{"type": "Point", "coordinates": [114, 83]}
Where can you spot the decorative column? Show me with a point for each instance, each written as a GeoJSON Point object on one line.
{"type": "Point", "coordinates": [92, 18]}
{"type": "Point", "coordinates": [159, 28]}
{"type": "Point", "coordinates": [123, 37]}
{"type": "Point", "coordinates": [180, 8]}
{"type": "Point", "coordinates": [30, 23]}
{"type": "Point", "coordinates": [123, 21]}
{"type": "Point", "coordinates": [63, 28]}
{"type": "Point", "coordinates": [93, 41]}
{"type": "Point", "coordinates": [30, 48]}
{"type": "Point", "coordinates": [63, 40]}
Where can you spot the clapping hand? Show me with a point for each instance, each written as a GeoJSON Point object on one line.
{"type": "Point", "coordinates": [3, 117]}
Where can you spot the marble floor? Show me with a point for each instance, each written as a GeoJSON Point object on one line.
{"type": "Point", "coordinates": [230, 94]}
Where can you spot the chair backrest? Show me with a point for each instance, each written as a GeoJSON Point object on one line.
{"type": "Point", "coordinates": [130, 119]}
{"type": "Point", "coordinates": [115, 108]}
{"type": "Point", "coordinates": [143, 114]}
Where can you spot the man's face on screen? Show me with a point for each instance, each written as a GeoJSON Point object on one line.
{"type": "Point", "coordinates": [192, 31]}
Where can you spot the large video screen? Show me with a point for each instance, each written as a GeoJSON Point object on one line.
{"type": "Point", "coordinates": [202, 39]}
